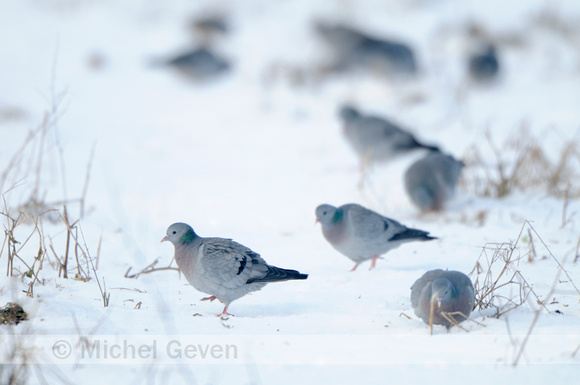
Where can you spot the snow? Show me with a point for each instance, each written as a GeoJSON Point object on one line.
{"type": "Point", "coordinates": [249, 156]}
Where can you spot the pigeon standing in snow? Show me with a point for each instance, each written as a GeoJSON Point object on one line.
{"type": "Point", "coordinates": [354, 49]}
{"type": "Point", "coordinates": [210, 26]}
{"type": "Point", "coordinates": [484, 65]}
{"type": "Point", "coordinates": [376, 139]}
{"type": "Point", "coordinates": [430, 182]}
{"type": "Point", "coordinates": [362, 234]}
{"type": "Point", "coordinates": [443, 297]}
{"type": "Point", "coordinates": [220, 267]}
{"type": "Point", "coordinates": [199, 64]}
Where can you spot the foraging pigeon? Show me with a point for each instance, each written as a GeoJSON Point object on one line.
{"type": "Point", "coordinates": [354, 49]}
{"type": "Point", "coordinates": [376, 139]}
{"type": "Point", "coordinates": [362, 234]}
{"type": "Point", "coordinates": [484, 65]}
{"type": "Point", "coordinates": [221, 267]}
{"type": "Point", "coordinates": [431, 181]}
{"type": "Point", "coordinates": [210, 25]}
{"type": "Point", "coordinates": [199, 64]}
{"type": "Point", "coordinates": [443, 297]}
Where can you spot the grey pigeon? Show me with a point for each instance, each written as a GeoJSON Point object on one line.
{"type": "Point", "coordinates": [199, 64]}
{"type": "Point", "coordinates": [220, 267]}
{"type": "Point", "coordinates": [354, 49]}
{"type": "Point", "coordinates": [430, 182]}
{"type": "Point", "coordinates": [484, 65]}
{"type": "Point", "coordinates": [211, 24]}
{"type": "Point", "coordinates": [362, 234]}
{"type": "Point", "coordinates": [376, 139]}
{"type": "Point", "coordinates": [443, 297]}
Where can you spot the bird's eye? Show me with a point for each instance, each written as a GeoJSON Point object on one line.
{"type": "Point", "coordinates": [174, 232]}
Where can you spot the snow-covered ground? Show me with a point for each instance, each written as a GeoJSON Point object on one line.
{"type": "Point", "coordinates": [249, 156]}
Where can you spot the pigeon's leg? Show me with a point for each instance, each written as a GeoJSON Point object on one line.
{"type": "Point", "coordinates": [374, 262]}
{"type": "Point", "coordinates": [209, 298]}
{"type": "Point", "coordinates": [225, 312]}
{"type": "Point", "coordinates": [354, 268]}
{"type": "Point", "coordinates": [364, 167]}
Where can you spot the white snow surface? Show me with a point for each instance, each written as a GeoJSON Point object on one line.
{"type": "Point", "coordinates": [250, 155]}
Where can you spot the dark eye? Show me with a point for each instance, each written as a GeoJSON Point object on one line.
{"type": "Point", "coordinates": [174, 232]}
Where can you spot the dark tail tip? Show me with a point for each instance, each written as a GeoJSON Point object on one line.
{"type": "Point", "coordinates": [293, 274]}
{"type": "Point", "coordinates": [431, 148]}
{"type": "Point", "coordinates": [301, 276]}
{"type": "Point", "coordinates": [278, 274]}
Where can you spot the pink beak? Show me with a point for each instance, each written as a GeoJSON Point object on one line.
{"type": "Point", "coordinates": [164, 239]}
{"type": "Point", "coordinates": [316, 221]}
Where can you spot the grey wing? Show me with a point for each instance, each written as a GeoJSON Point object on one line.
{"type": "Point", "coordinates": [365, 132]}
{"type": "Point", "coordinates": [366, 224]}
{"type": "Point", "coordinates": [389, 133]}
{"type": "Point", "coordinates": [452, 170]}
{"type": "Point", "coordinates": [232, 265]}
{"type": "Point", "coordinates": [462, 281]}
{"type": "Point", "coordinates": [380, 130]}
{"type": "Point", "coordinates": [401, 232]}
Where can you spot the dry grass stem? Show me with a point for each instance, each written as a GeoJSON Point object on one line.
{"type": "Point", "coordinates": [537, 313]}
{"type": "Point", "coordinates": [497, 276]}
{"type": "Point", "coordinates": [404, 315]}
{"type": "Point", "coordinates": [450, 316]}
{"type": "Point", "coordinates": [150, 269]}
{"type": "Point", "coordinates": [26, 246]}
{"type": "Point", "coordinates": [575, 351]}
{"type": "Point", "coordinates": [555, 259]}
{"type": "Point", "coordinates": [522, 164]}
{"type": "Point", "coordinates": [103, 289]}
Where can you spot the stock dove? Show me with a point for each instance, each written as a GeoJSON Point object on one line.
{"type": "Point", "coordinates": [430, 182]}
{"type": "Point", "coordinates": [376, 139]}
{"type": "Point", "coordinates": [362, 234]}
{"type": "Point", "coordinates": [354, 49]}
{"type": "Point", "coordinates": [198, 64]}
{"type": "Point", "coordinates": [484, 65]}
{"type": "Point", "coordinates": [220, 267]}
{"type": "Point", "coordinates": [443, 297]}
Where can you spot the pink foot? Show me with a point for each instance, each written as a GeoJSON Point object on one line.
{"type": "Point", "coordinates": [354, 268]}
{"type": "Point", "coordinates": [209, 298]}
{"type": "Point", "coordinates": [374, 262]}
{"type": "Point", "coordinates": [225, 313]}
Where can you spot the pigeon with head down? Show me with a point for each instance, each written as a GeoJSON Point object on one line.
{"type": "Point", "coordinates": [430, 182]}
{"type": "Point", "coordinates": [443, 297]}
{"type": "Point", "coordinates": [362, 234]}
{"type": "Point", "coordinates": [200, 64]}
{"type": "Point", "coordinates": [220, 267]}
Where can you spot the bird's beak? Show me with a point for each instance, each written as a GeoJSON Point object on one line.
{"type": "Point", "coordinates": [435, 299]}
{"type": "Point", "coordinates": [316, 221]}
{"type": "Point", "coordinates": [164, 239]}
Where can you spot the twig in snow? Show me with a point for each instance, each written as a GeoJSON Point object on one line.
{"type": "Point", "coordinates": [150, 269]}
